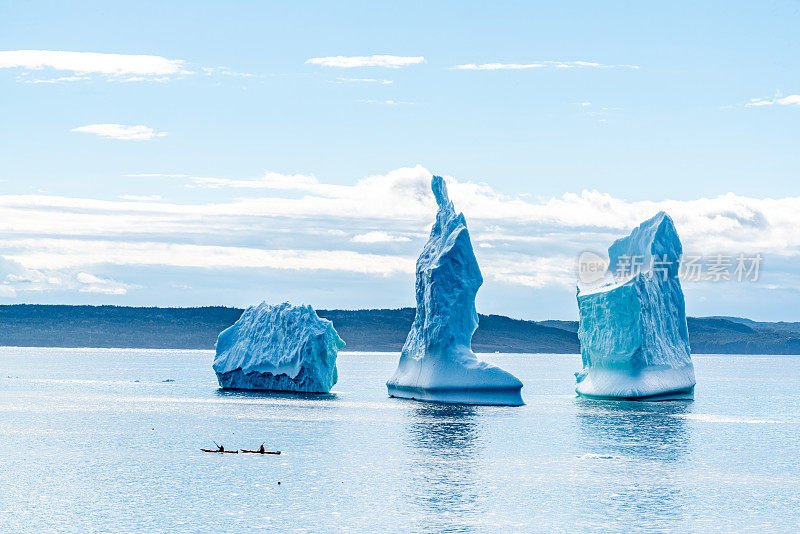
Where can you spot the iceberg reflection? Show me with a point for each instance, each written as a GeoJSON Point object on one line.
{"type": "Point", "coordinates": [637, 442]}
{"type": "Point", "coordinates": [653, 431]}
{"type": "Point", "coordinates": [267, 394]}
{"type": "Point", "coordinates": [444, 446]}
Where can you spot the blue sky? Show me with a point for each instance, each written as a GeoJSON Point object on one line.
{"type": "Point", "coordinates": [242, 159]}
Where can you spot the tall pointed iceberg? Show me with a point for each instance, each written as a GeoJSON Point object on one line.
{"type": "Point", "coordinates": [633, 335]}
{"type": "Point", "coordinates": [279, 348]}
{"type": "Point", "coordinates": [437, 363]}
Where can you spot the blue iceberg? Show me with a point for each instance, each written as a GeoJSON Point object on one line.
{"type": "Point", "coordinates": [437, 363]}
{"type": "Point", "coordinates": [633, 335]}
{"type": "Point", "coordinates": [279, 348]}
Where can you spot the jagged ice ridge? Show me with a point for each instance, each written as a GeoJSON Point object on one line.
{"type": "Point", "coordinates": [437, 363]}
{"type": "Point", "coordinates": [633, 334]}
{"type": "Point", "coordinates": [281, 348]}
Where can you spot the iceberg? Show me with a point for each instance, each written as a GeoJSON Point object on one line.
{"type": "Point", "coordinates": [437, 363]}
{"type": "Point", "coordinates": [279, 348]}
{"type": "Point", "coordinates": [632, 330]}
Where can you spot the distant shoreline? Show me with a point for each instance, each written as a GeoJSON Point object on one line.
{"type": "Point", "coordinates": [481, 355]}
{"type": "Point", "coordinates": [376, 330]}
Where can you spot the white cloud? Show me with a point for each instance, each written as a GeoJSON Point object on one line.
{"type": "Point", "coordinates": [121, 131]}
{"type": "Point", "coordinates": [57, 66]}
{"type": "Point", "coordinates": [539, 272]}
{"type": "Point", "coordinates": [14, 275]}
{"type": "Point", "coordinates": [781, 101]}
{"type": "Point", "coordinates": [364, 80]}
{"type": "Point", "coordinates": [403, 197]}
{"type": "Point", "coordinates": [118, 66]}
{"type": "Point", "coordinates": [498, 66]}
{"type": "Point", "coordinates": [269, 180]}
{"type": "Point", "coordinates": [379, 237]}
{"type": "Point", "coordinates": [72, 253]}
{"type": "Point", "coordinates": [90, 283]}
{"type": "Point", "coordinates": [60, 79]}
{"type": "Point", "coordinates": [15, 278]}
{"type": "Point", "coordinates": [387, 61]}
{"type": "Point", "coordinates": [789, 100]}
{"type": "Point", "coordinates": [297, 222]}
{"type": "Point", "coordinates": [225, 71]}
{"type": "Point", "coordinates": [542, 64]}
{"type": "Point", "coordinates": [143, 198]}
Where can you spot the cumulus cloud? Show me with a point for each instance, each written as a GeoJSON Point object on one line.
{"type": "Point", "coordinates": [16, 279]}
{"type": "Point", "coordinates": [538, 65]}
{"type": "Point", "coordinates": [121, 131]}
{"type": "Point", "coordinates": [536, 272]}
{"type": "Point", "coordinates": [90, 283]}
{"type": "Point", "coordinates": [379, 237]}
{"type": "Point", "coordinates": [348, 62]}
{"type": "Point", "coordinates": [402, 197]}
{"type": "Point", "coordinates": [791, 100]}
{"type": "Point", "coordinates": [117, 66]}
{"type": "Point", "coordinates": [72, 253]}
{"type": "Point", "coordinates": [59, 66]}
{"type": "Point", "coordinates": [297, 222]}
{"type": "Point", "coordinates": [14, 275]}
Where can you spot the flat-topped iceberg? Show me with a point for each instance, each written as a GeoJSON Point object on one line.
{"type": "Point", "coordinates": [633, 335]}
{"type": "Point", "coordinates": [279, 348]}
{"type": "Point", "coordinates": [437, 363]}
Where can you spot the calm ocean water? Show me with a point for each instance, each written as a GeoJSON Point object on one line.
{"type": "Point", "coordinates": [96, 440]}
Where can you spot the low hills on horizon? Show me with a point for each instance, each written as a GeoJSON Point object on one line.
{"type": "Point", "coordinates": [378, 330]}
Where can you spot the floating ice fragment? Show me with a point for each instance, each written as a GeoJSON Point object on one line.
{"type": "Point", "coordinates": [633, 335]}
{"type": "Point", "coordinates": [437, 363]}
{"type": "Point", "coordinates": [281, 348]}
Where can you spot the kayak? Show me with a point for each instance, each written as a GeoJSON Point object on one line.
{"type": "Point", "coordinates": [259, 452]}
{"type": "Point", "coordinates": [215, 450]}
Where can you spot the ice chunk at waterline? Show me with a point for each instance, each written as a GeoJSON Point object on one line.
{"type": "Point", "coordinates": [634, 341]}
{"type": "Point", "coordinates": [437, 363]}
{"type": "Point", "coordinates": [281, 348]}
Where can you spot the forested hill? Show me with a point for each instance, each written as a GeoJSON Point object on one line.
{"type": "Point", "coordinates": [386, 330]}
{"type": "Point", "coordinates": [363, 330]}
